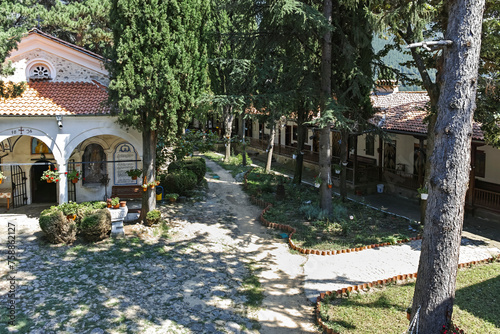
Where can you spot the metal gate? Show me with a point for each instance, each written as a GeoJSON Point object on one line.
{"type": "Point", "coordinates": [71, 185]}
{"type": "Point", "coordinates": [19, 197]}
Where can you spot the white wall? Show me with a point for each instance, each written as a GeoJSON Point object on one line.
{"type": "Point", "coordinates": [63, 142]}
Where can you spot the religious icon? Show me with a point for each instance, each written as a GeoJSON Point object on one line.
{"type": "Point", "coordinates": [38, 147]}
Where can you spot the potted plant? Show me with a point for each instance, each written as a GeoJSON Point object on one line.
{"type": "Point", "coordinates": [50, 176]}
{"type": "Point", "coordinates": [145, 187]}
{"type": "Point", "coordinates": [108, 202]}
{"type": "Point", "coordinates": [172, 197]}
{"type": "Point", "coordinates": [153, 217]}
{"type": "Point", "coordinates": [134, 173]}
{"type": "Point", "coordinates": [337, 168]}
{"type": "Point", "coordinates": [74, 176]}
{"type": "Point", "coordinates": [115, 202]}
{"type": "Point", "coordinates": [317, 181]}
{"type": "Point", "coordinates": [2, 177]}
{"type": "Point", "coordinates": [424, 193]}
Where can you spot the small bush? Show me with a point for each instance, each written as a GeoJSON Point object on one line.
{"type": "Point", "coordinates": [69, 208]}
{"type": "Point", "coordinates": [153, 217]}
{"type": "Point", "coordinates": [179, 181]}
{"type": "Point", "coordinates": [57, 228]}
{"type": "Point", "coordinates": [196, 165]}
{"type": "Point", "coordinates": [96, 226]}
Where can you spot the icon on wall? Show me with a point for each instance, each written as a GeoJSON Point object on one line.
{"type": "Point", "coordinates": [38, 147]}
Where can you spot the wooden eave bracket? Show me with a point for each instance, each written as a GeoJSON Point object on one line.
{"type": "Point", "coordinates": [431, 45]}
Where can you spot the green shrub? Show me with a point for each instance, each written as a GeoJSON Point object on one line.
{"type": "Point", "coordinates": [153, 217]}
{"type": "Point", "coordinates": [238, 160]}
{"type": "Point", "coordinates": [69, 208]}
{"type": "Point", "coordinates": [180, 181]}
{"type": "Point", "coordinates": [196, 165]}
{"type": "Point", "coordinates": [96, 226]}
{"type": "Point", "coordinates": [57, 228]}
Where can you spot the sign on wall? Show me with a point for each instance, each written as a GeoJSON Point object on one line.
{"type": "Point", "coordinates": [125, 158]}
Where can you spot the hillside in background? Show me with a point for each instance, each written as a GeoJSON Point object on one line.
{"type": "Point", "coordinates": [394, 58]}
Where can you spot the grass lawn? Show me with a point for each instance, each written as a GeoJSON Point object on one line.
{"type": "Point", "coordinates": [383, 310]}
{"type": "Point", "coordinates": [351, 225]}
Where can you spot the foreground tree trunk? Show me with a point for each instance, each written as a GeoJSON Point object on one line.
{"type": "Point", "coordinates": [228, 128]}
{"type": "Point", "coordinates": [270, 148]}
{"type": "Point", "coordinates": [450, 165]}
{"type": "Point", "coordinates": [325, 152]}
{"type": "Point", "coordinates": [149, 141]}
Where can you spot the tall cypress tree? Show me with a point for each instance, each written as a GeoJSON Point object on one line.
{"type": "Point", "coordinates": [157, 70]}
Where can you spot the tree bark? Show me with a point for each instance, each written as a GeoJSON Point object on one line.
{"type": "Point", "coordinates": [228, 128]}
{"type": "Point", "coordinates": [325, 152]}
{"type": "Point", "coordinates": [301, 138]}
{"type": "Point", "coordinates": [270, 148]}
{"type": "Point", "coordinates": [450, 164]}
{"type": "Point", "coordinates": [344, 154]}
{"type": "Point", "coordinates": [149, 141]}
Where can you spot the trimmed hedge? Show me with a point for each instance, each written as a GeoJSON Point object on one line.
{"type": "Point", "coordinates": [180, 181]}
{"type": "Point", "coordinates": [196, 165]}
{"type": "Point", "coordinates": [96, 226]}
{"type": "Point", "coordinates": [57, 228]}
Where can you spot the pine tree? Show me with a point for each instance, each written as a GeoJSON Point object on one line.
{"type": "Point", "coordinates": [157, 70]}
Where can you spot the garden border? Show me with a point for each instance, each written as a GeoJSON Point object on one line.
{"type": "Point", "coordinates": [291, 230]}
{"type": "Point", "coordinates": [398, 278]}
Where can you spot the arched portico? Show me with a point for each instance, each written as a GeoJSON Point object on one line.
{"type": "Point", "coordinates": [63, 142]}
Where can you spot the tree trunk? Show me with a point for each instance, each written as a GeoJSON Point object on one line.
{"type": "Point", "coordinates": [450, 164]}
{"type": "Point", "coordinates": [243, 140]}
{"type": "Point", "coordinates": [228, 127]}
{"type": "Point", "coordinates": [149, 141]}
{"type": "Point", "coordinates": [270, 148]}
{"type": "Point", "coordinates": [301, 138]}
{"type": "Point", "coordinates": [325, 152]}
{"type": "Point", "coordinates": [344, 155]}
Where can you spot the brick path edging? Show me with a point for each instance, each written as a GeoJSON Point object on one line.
{"type": "Point", "coordinates": [340, 293]}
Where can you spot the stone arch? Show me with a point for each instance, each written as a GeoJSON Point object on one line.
{"type": "Point", "coordinates": [39, 65]}
{"type": "Point", "coordinates": [94, 133]}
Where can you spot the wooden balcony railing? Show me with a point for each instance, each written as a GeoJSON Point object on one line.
{"type": "Point", "coordinates": [487, 199]}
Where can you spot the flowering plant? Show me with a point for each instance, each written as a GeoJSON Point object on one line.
{"type": "Point", "coordinates": [451, 329]}
{"type": "Point", "coordinates": [50, 175]}
{"type": "Point", "coordinates": [74, 174]}
{"type": "Point", "coordinates": [318, 179]}
{"type": "Point", "coordinates": [2, 177]}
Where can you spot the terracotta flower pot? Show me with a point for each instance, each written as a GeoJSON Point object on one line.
{"type": "Point", "coordinates": [144, 189]}
{"type": "Point", "coordinates": [116, 206]}
{"type": "Point", "coordinates": [49, 181]}
{"type": "Point", "coordinates": [134, 177]}
{"type": "Point", "coordinates": [108, 204]}
{"type": "Point", "coordinates": [74, 180]}
{"type": "Point", "coordinates": [123, 204]}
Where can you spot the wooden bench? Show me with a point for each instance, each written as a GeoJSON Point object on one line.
{"type": "Point", "coordinates": [8, 196]}
{"type": "Point", "coordinates": [128, 193]}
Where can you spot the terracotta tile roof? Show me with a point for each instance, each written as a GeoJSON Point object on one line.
{"type": "Point", "coordinates": [57, 98]}
{"type": "Point", "coordinates": [405, 112]}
